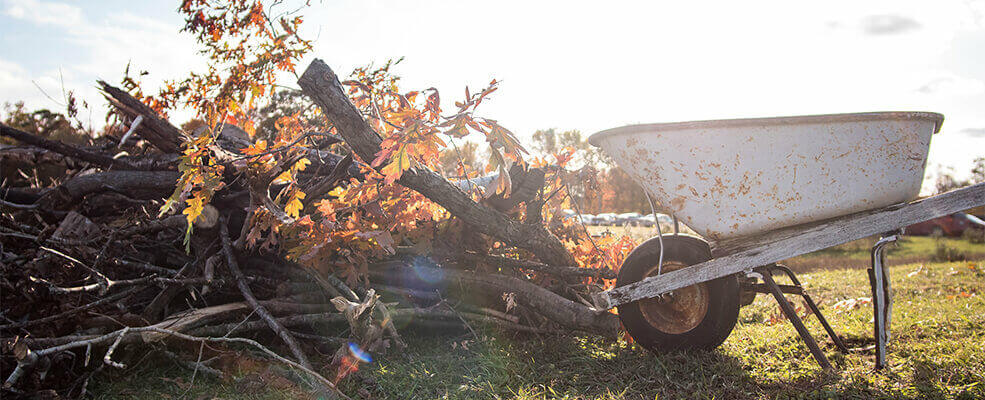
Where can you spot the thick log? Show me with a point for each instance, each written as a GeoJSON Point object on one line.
{"type": "Point", "coordinates": [135, 184]}
{"type": "Point", "coordinates": [156, 130]}
{"type": "Point", "coordinates": [558, 309]}
{"type": "Point", "coordinates": [321, 84]}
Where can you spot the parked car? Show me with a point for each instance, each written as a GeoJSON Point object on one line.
{"type": "Point", "coordinates": [648, 220]}
{"type": "Point", "coordinates": [627, 218]}
{"type": "Point", "coordinates": [605, 219]}
{"type": "Point", "coordinates": [587, 219]}
{"type": "Point", "coordinates": [948, 225]}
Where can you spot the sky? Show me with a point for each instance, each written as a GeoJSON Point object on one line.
{"type": "Point", "coordinates": [568, 65]}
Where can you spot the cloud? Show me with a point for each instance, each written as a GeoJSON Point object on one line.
{"type": "Point", "coordinates": [888, 24]}
{"type": "Point", "coordinates": [14, 81]}
{"type": "Point", "coordinates": [973, 132]}
{"type": "Point", "coordinates": [48, 13]}
{"type": "Point", "coordinates": [102, 43]}
{"type": "Point", "coordinates": [952, 85]}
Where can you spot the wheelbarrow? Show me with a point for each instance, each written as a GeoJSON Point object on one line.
{"type": "Point", "coordinates": [760, 191]}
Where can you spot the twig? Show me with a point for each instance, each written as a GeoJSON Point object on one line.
{"type": "Point", "coordinates": [17, 206]}
{"type": "Point", "coordinates": [457, 314]}
{"type": "Point", "coordinates": [105, 281]}
{"type": "Point", "coordinates": [33, 356]}
{"type": "Point", "coordinates": [133, 127]}
{"type": "Point", "coordinates": [101, 287]}
{"type": "Point", "coordinates": [198, 362]}
{"type": "Point", "coordinates": [107, 359]}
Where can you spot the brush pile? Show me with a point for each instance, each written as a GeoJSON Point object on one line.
{"type": "Point", "coordinates": [93, 275]}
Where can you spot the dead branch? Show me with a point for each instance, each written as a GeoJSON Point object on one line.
{"type": "Point", "coordinates": [321, 84]}
{"type": "Point", "coordinates": [135, 184]}
{"type": "Point", "coordinates": [67, 150]}
{"type": "Point", "coordinates": [156, 130]}
{"type": "Point", "coordinates": [233, 266]}
{"type": "Point", "coordinates": [558, 309]}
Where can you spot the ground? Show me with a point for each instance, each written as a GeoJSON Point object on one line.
{"type": "Point", "coordinates": [936, 351]}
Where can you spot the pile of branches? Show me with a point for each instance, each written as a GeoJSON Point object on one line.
{"type": "Point", "coordinates": [92, 278]}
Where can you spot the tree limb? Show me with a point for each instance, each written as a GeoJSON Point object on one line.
{"type": "Point", "coordinates": [321, 84]}
{"type": "Point", "coordinates": [137, 184]}
{"type": "Point", "coordinates": [558, 309]}
{"type": "Point", "coordinates": [233, 265]}
{"type": "Point", "coordinates": [158, 131]}
{"type": "Point", "coordinates": [67, 150]}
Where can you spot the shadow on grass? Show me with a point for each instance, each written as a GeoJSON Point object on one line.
{"type": "Point", "coordinates": [555, 367]}
{"type": "Point", "coordinates": [571, 367]}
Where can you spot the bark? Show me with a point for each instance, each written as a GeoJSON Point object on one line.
{"type": "Point", "coordinates": [135, 184]}
{"type": "Point", "coordinates": [321, 84]}
{"type": "Point", "coordinates": [156, 130]}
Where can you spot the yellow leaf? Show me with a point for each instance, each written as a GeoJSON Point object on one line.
{"type": "Point", "coordinates": [337, 192]}
{"type": "Point", "coordinates": [301, 164]}
{"type": "Point", "coordinates": [294, 206]}
{"type": "Point", "coordinates": [194, 209]}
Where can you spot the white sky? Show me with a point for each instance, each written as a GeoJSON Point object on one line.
{"type": "Point", "coordinates": [572, 65]}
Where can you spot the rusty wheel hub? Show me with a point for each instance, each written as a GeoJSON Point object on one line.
{"type": "Point", "coordinates": [678, 311]}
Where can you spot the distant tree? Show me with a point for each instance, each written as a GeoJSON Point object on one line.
{"type": "Point", "coordinates": [192, 125]}
{"type": "Point", "coordinates": [286, 103]}
{"type": "Point", "coordinates": [463, 155]}
{"type": "Point", "coordinates": [946, 181]}
{"type": "Point", "coordinates": [549, 141]}
{"type": "Point", "coordinates": [621, 193]}
{"type": "Point", "coordinates": [978, 170]}
{"type": "Point", "coordinates": [44, 123]}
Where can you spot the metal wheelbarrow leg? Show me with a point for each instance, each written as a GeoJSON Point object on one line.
{"type": "Point", "coordinates": [799, 290]}
{"type": "Point", "coordinates": [788, 310]}
{"type": "Point", "coordinates": [882, 298]}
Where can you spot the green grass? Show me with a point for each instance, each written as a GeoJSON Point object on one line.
{"type": "Point", "coordinates": [909, 246]}
{"type": "Point", "coordinates": [936, 352]}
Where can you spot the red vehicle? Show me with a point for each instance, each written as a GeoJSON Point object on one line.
{"type": "Point", "coordinates": [948, 225]}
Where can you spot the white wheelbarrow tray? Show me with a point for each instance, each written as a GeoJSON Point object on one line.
{"type": "Point", "coordinates": [737, 177]}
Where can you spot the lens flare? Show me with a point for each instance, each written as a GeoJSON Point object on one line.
{"type": "Point", "coordinates": [425, 271]}
{"type": "Point", "coordinates": [359, 354]}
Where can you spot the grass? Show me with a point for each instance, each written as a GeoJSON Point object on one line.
{"type": "Point", "coordinates": [936, 352]}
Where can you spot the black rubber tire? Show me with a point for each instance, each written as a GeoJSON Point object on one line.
{"type": "Point", "coordinates": [723, 307]}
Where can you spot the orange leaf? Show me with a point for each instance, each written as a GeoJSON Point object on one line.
{"type": "Point", "coordinates": [399, 163]}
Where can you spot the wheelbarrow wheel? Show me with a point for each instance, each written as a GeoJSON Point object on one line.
{"type": "Point", "coordinates": [697, 317]}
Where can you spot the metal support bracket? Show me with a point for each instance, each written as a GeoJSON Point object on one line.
{"type": "Point", "coordinates": [770, 286]}
{"type": "Point", "coordinates": [882, 297]}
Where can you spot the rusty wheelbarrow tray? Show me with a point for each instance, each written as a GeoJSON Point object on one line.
{"type": "Point", "coordinates": [663, 307]}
